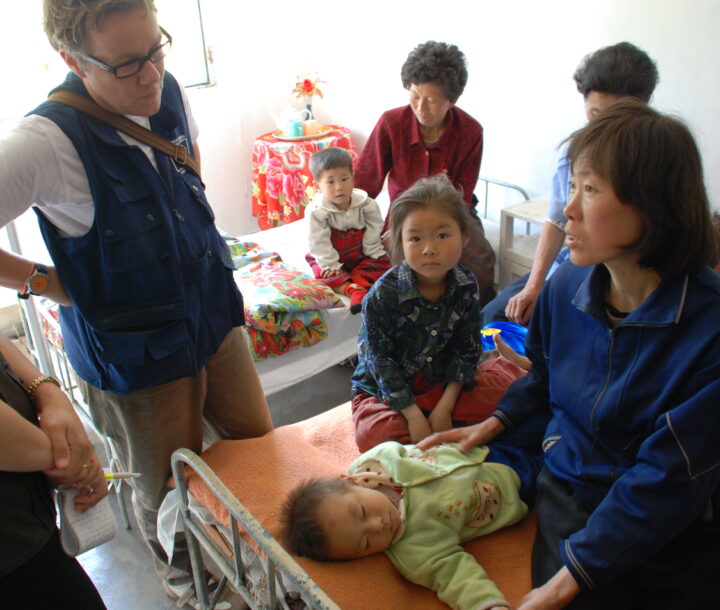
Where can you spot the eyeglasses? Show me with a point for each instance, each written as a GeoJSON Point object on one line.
{"type": "Point", "coordinates": [132, 67]}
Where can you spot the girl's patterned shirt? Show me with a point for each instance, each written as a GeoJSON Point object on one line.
{"type": "Point", "coordinates": [403, 334]}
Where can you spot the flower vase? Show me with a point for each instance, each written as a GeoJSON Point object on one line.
{"type": "Point", "coordinates": [308, 106]}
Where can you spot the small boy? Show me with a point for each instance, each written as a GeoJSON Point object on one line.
{"type": "Point", "coordinates": [416, 507]}
{"type": "Point", "coordinates": [344, 226]}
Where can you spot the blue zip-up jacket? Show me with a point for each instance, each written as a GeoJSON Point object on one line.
{"type": "Point", "coordinates": [151, 281]}
{"type": "Point", "coordinates": [635, 427]}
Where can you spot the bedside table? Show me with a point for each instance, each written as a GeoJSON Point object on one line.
{"type": "Point", "coordinates": [517, 250]}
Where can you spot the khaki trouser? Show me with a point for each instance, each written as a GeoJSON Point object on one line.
{"type": "Point", "coordinates": [148, 425]}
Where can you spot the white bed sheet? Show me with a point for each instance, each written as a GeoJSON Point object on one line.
{"type": "Point", "coordinates": [280, 372]}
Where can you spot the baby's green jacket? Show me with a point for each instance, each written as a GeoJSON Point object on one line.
{"type": "Point", "coordinates": [449, 498]}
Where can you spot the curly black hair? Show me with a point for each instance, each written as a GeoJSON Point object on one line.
{"type": "Point", "coordinates": [620, 69]}
{"type": "Point", "coordinates": [436, 62]}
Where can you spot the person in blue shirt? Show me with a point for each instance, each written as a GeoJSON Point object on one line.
{"type": "Point", "coordinates": [420, 340]}
{"type": "Point", "coordinates": [603, 77]}
{"type": "Point", "coordinates": [625, 351]}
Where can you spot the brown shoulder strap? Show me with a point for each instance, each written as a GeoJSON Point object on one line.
{"type": "Point", "coordinates": [176, 151]}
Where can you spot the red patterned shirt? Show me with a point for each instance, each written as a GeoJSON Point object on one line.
{"type": "Point", "coordinates": [396, 149]}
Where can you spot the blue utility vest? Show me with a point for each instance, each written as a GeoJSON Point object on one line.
{"type": "Point", "coordinates": [151, 281]}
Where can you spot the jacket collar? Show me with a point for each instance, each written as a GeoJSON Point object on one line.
{"type": "Point", "coordinates": [663, 307]}
{"type": "Point", "coordinates": [407, 284]}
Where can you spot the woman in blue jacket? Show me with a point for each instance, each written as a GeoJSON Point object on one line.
{"type": "Point", "coordinates": [625, 346]}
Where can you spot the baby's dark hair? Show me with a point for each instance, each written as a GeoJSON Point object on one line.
{"type": "Point", "coordinates": [436, 62]}
{"type": "Point", "coordinates": [329, 158]}
{"type": "Point", "coordinates": [436, 191]}
{"type": "Point", "coordinates": [300, 529]}
{"type": "Point", "coordinates": [620, 69]}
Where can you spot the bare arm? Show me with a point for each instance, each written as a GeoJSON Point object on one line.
{"type": "Point", "coordinates": [70, 444]}
{"type": "Point", "coordinates": [23, 446]}
{"type": "Point", "coordinates": [441, 416]}
{"type": "Point", "coordinates": [15, 269]}
{"type": "Point", "coordinates": [418, 426]}
{"type": "Point", "coordinates": [520, 307]}
{"type": "Point", "coordinates": [467, 437]}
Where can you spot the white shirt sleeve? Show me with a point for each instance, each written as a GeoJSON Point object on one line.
{"type": "Point", "coordinates": [39, 164]}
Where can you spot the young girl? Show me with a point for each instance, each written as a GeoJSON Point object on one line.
{"type": "Point", "coordinates": [419, 344]}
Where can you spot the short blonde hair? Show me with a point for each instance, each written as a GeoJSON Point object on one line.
{"type": "Point", "coordinates": [66, 22]}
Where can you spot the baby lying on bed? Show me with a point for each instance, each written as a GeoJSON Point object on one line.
{"type": "Point", "coordinates": [417, 507]}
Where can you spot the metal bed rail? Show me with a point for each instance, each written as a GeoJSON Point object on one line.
{"type": "Point", "coordinates": [277, 560]}
{"type": "Point", "coordinates": [509, 185]}
{"type": "Point", "coordinates": [48, 351]}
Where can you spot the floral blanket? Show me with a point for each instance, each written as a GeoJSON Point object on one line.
{"type": "Point", "coordinates": [283, 306]}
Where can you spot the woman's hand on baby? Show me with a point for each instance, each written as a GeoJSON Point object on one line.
{"type": "Point", "coordinates": [467, 437]}
{"type": "Point", "coordinates": [418, 426]}
{"type": "Point", "coordinates": [557, 593]}
{"type": "Point", "coordinates": [330, 272]}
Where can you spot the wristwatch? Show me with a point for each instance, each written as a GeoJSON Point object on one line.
{"type": "Point", "coordinates": [36, 283]}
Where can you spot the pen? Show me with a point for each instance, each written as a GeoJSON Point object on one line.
{"type": "Point", "coordinates": [121, 475]}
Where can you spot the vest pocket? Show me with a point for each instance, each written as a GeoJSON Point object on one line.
{"type": "Point", "coordinates": [132, 347]}
{"type": "Point", "coordinates": [132, 229]}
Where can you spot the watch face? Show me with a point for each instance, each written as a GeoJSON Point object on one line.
{"type": "Point", "coordinates": [38, 283]}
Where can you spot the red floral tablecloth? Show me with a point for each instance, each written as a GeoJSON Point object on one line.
{"type": "Point", "coordinates": [282, 184]}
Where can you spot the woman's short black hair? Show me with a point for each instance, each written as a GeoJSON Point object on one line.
{"type": "Point", "coordinates": [620, 69]}
{"type": "Point", "coordinates": [654, 165]}
{"type": "Point", "coordinates": [436, 62]}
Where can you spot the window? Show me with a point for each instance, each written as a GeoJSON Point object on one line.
{"type": "Point", "coordinates": [189, 60]}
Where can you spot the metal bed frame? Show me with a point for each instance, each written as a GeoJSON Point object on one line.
{"type": "Point", "coordinates": [52, 360]}
{"type": "Point", "coordinates": [284, 580]}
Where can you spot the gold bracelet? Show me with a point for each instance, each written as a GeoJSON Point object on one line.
{"type": "Point", "coordinates": [32, 388]}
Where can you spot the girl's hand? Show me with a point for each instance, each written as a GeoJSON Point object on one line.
{"type": "Point", "coordinates": [440, 420]}
{"type": "Point", "coordinates": [467, 437]}
{"type": "Point", "coordinates": [418, 426]}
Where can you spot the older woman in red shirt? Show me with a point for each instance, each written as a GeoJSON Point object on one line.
{"type": "Point", "coordinates": [429, 136]}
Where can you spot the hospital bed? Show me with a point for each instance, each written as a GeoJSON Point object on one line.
{"type": "Point", "coordinates": [230, 501]}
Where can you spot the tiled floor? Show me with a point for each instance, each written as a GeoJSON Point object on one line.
{"type": "Point", "coordinates": [122, 569]}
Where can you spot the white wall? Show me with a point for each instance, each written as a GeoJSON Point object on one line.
{"type": "Point", "coordinates": [521, 56]}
